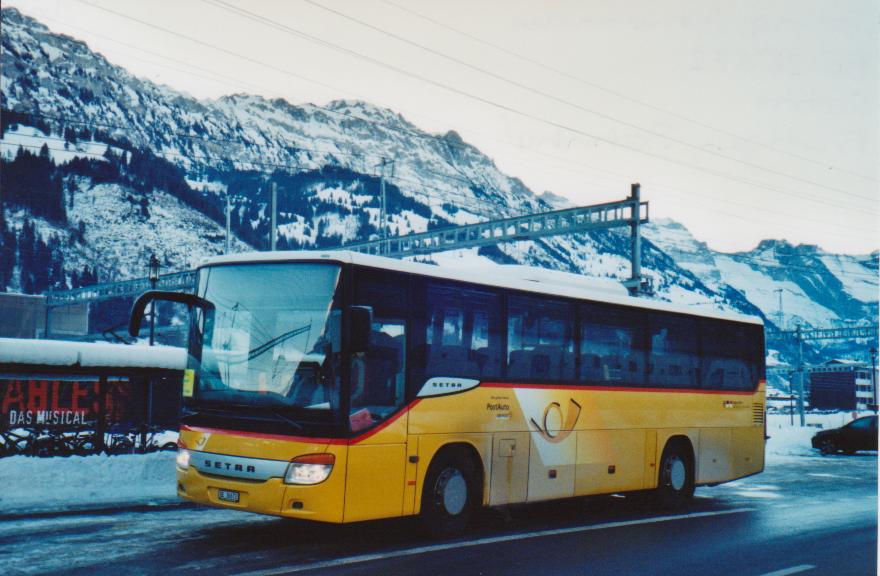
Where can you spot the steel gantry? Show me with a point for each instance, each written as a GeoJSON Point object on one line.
{"type": "Point", "coordinates": [177, 281]}
{"type": "Point", "coordinates": [528, 227]}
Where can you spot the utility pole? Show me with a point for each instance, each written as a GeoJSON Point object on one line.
{"type": "Point", "coordinates": [636, 239]}
{"type": "Point", "coordinates": [228, 223]}
{"type": "Point", "coordinates": [800, 373]}
{"type": "Point", "coordinates": [383, 213]}
{"type": "Point", "coordinates": [273, 231]}
{"type": "Point", "coordinates": [781, 319]}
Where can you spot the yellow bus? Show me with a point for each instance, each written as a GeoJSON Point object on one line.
{"type": "Point", "coordinates": [341, 387]}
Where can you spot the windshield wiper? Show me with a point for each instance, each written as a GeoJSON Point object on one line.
{"type": "Point", "coordinates": [286, 418]}
{"type": "Point", "coordinates": [224, 410]}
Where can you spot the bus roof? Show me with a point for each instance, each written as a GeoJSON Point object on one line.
{"type": "Point", "coordinates": [553, 283]}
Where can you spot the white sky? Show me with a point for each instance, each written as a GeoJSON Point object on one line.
{"type": "Point", "coordinates": [793, 85]}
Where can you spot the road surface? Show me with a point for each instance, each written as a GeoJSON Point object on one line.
{"type": "Point", "coordinates": [803, 515]}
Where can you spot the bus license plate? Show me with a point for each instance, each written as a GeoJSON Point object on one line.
{"type": "Point", "coordinates": [227, 495]}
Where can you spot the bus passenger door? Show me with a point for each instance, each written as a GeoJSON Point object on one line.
{"type": "Point", "coordinates": [375, 478]}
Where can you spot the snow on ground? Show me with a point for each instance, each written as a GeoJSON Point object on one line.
{"type": "Point", "coordinates": [858, 280]}
{"type": "Point", "coordinates": [33, 484]}
{"type": "Point", "coordinates": [207, 186]}
{"type": "Point", "coordinates": [760, 289]}
{"type": "Point", "coordinates": [33, 139]}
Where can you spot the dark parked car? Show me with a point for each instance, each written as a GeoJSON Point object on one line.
{"type": "Point", "coordinates": [860, 434]}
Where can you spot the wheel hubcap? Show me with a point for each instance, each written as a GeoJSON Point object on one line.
{"type": "Point", "coordinates": [451, 491]}
{"type": "Point", "coordinates": [677, 473]}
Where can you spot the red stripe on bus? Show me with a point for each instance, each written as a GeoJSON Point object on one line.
{"type": "Point", "coordinates": [306, 439]}
{"type": "Point", "coordinates": [613, 388]}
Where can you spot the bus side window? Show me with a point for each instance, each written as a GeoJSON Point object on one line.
{"type": "Point", "coordinates": [674, 351]}
{"type": "Point", "coordinates": [727, 360]}
{"type": "Point", "coordinates": [611, 346]}
{"type": "Point", "coordinates": [462, 333]}
{"type": "Point", "coordinates": [540, 343]}
{"type": "Point", "coordinates": [378, 375]}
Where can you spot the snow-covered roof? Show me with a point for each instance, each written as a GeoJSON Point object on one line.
{"type": "Point", "coordinates": [551, 282]}
{"type": "Point", "coordinates": [89, 354]}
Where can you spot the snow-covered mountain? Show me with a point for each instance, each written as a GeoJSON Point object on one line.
{"type": "Point", "coordinates": [818, 288]}
{"type": "Point", "coordinates": [107, 168]}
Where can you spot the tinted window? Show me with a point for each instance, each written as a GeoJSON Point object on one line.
{"type": "Point", "coordinates": [462, 333]}
{"type": "Point", "coordinates": [730, 355]}
{"type": "Point", "coordinates": [862, 423]}
{"type": "Point", "coordinates": [612, 346]}
{"type": "Point", "coordinates": [378, 376]}
{"type": "Point", "coordinates": [674, 351]}
{"type": "Point", "coordinates": [540, 342]}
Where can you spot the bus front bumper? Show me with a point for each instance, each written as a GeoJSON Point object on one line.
{"type": "Point", "coordinates": [321, 502]}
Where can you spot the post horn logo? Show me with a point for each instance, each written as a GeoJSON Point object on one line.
{"type": "Point", "coordinates": [556, 436]}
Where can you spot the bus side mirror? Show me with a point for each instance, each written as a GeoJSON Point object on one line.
{"type": "Point", "coordinates": [360, 322]}
{"type": "Point", "coordinates": [140, 305]}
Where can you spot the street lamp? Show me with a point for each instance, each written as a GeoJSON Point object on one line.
{"type": "Point", "coordinates": [154, 278]}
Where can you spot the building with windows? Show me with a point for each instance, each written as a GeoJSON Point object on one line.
{"type": "Point", "coordinates": [841, 385]}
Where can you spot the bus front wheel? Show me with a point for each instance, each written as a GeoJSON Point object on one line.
{"type": "Point", "coordinates": [675, 485]}
{"type": "Point", "coordinates": [449, 494]}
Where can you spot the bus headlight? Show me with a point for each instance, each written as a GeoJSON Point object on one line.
{"type": "Point", "coordinates": [309, 469]}
{"type": "Point", "coordinates": [183, 458]}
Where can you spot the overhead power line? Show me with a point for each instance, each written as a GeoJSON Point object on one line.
{"type": "Point", "coordinates": [512, 110]}
{"type": "Point", "coordinates": [299, 34]}
{"type": "Point", "coordinates": [570, 103]}
{"type": "Point", "coordinates": [417, 187]}
{"type": "Point", "coordinates": [447, 194]}
{"type": "Point", "coordinates": [622, 95]}
{"type": "Point", "coordinates": [230, 81]}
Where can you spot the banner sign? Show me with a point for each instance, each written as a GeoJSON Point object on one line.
{"type": "Point", "coordinates": [63, 403]}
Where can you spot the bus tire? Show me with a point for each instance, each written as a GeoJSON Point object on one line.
{"type": "Point", "coordinates": [675, 482]}
{"type": "Point", "coordinates": [449, 493]}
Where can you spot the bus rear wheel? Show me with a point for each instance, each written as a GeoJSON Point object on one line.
{"type": "Point", "coordinates": [449, 494]}
{"type": "Point", "coordinates": [675, 486]}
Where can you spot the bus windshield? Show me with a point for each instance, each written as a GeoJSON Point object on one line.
{"type": "Point", "coordinates": [271, 340]}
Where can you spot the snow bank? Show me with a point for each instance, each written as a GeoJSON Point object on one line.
{"type": "Point", "coordinates": [81, 482]}
{"type": "Point", "coordinates": [90, 354]}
